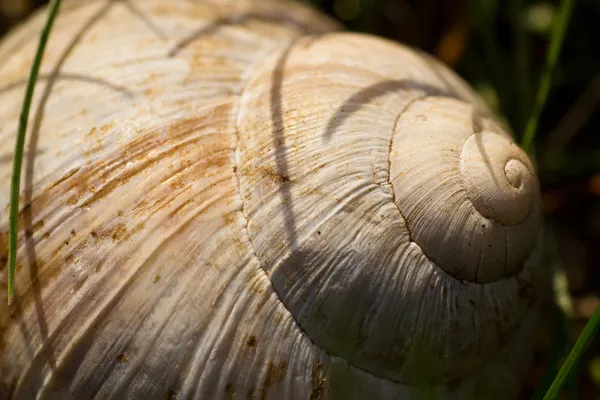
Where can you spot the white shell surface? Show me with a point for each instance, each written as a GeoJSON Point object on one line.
{"type": "Point", "coordinates": [211, 209]}
{"type": "Point", "coordinates": [333, 230]}
{"type": "Point", "coordinates": [468, 193]}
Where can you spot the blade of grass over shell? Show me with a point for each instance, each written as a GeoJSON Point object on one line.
{"type": "Point", "coordinates": [588, 333]}
{"type": "Point", "coordinates": [559, 28]}
{"type": "Point", "coordinates": [15, 186]}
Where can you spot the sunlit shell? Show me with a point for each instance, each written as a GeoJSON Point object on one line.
{"type": "Point", "coordinates": [221, 199]}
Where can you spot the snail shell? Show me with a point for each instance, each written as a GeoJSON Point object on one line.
{"type": "Point", "coordinates": [230, 199]}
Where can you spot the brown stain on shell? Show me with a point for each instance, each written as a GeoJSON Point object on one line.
{"type": "Point", "coordinates": [251, 394]}
{"type": "Point", "coordinates": [79, 181]}
{"type": "Point", "coordinates": [118, 232]}
{"type": "Point", "coordinates": [122, 357]}
{"type": "Point", "coordinates": [275, 374]}
{"type": "Point", "coordinates": [317, 381]}
{"type": "Point", "coordinates": [170, 394]}
{"type": "Point", "coordinates": [101, 177]}
{"type": "Point", "coordinates": [231, 218]}
{"type": "Point", "coordinates": [92, 131]}
{"type": "Point", "coordinates": [268, 173]}
{"type": "Point", "coordinates": [229, 391]}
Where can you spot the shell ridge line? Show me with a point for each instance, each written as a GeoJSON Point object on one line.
{"type": "Point", "coordinates": [242, 210]}
{"type": "Point", "coordinates": [95, 319]}
{"type": "Point", "coordinates": [389, 165]}
{"type": "Point", "coordinates": [418, 321]}
{"type": "Point", "coordinates": [393, 192]}
{"type": "Point", "coordinates": [238, 179]}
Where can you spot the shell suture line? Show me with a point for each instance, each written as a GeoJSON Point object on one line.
{"type": "Point", "coordinates": [389, 164]}
{"type": "Point", "coordinates": [237, 177]}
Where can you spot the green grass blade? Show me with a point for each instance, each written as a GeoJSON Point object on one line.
{"type": "Point", "coordinates": [521, 61]}
{"type": "Point", "coordinates": [556, 40]}
{"type": "Point", "coordinates": [590, 330]}
{"type": "Point", "coordinates": [15, 186]}
{"type": "Point", "coordinates": [562, 309]}
{"type": "Point", "coordinates": [484, 18]}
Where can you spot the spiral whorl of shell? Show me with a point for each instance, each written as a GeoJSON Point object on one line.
{"type": "Point", "coordinates": [394, 220]}
{"type": "Point", "coordinates": [223, 200]}
{"type": "Point", "coordinates": [468, 194]}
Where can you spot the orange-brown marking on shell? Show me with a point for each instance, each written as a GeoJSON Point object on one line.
{"type": "Point", "coordinates": [118, 232]}
{"type": "Point", "coordinates": [268, 173]}
{"type": "Point", "coordinates": [275, 374]}
{"type": "Point", "coordinates": [231, 218]}
{"type": "Point", "coordinates": [137, 228]}
{"type": "Point", "coordinates": [75, 184]}
{"type": "Point", "coordinates": [122, 357]}
{"type": "Point", "coordinates": [317, 381]}
{"type": "Point", "coordinates": [251, 342]}
{"type": "Point", "coordinates": [92, 132]}
{"type": "Point", "coordinates": [137, 152]}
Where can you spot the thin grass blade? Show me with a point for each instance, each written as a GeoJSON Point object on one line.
{"type": "Point", "coordinates": [484, 18]}
{"type": "Point", "coordinates": [556, 40]}
{"type": "Point", "coordinates": [521, 60]}
{"type": "Point", "coordinates": [590, 330]}
{"type": "Point", "coordinates": [15, 185]}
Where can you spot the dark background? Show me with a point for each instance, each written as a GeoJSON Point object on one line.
{"type": "Point", "coordinates": [500, 47]}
